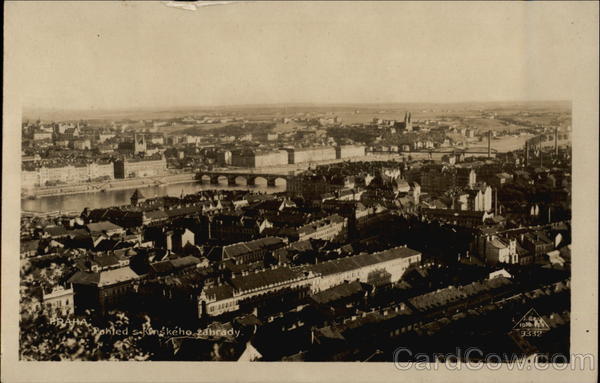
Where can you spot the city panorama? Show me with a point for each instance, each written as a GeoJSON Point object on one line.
{"type": "Point", "coordinates": [212, 234]}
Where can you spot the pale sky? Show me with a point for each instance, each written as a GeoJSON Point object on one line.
{"type": "Point", "coordinates": [122, 55]}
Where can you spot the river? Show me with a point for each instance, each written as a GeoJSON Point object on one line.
{"type": "Point", "coordinates": [92, 200]}
{"type": "Point", "coordinates": [77, 202]}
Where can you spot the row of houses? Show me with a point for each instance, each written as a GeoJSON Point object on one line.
{"type": "Point", "coordinates": [227, 297]}
{"type": "Point", "coordinates": [288, 155]}
{"type": "Point", "coordinates": [109, 287]}
{"type": "Point", "coordinates": [86, 172]}
{"type": "Point", "coordinates": [520, 246]}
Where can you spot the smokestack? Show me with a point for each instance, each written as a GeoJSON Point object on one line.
{"type": "Point", "coordinates": [489, 143]}
{"type": "Point", "coordinates": [556, 141]}
{"type": "Point", "coordinates": [526, 153]}
{"type": "Point", "coordinates": [496, 202]}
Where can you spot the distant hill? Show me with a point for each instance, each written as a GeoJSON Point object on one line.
{"type": "Point", "coordinates": [274, 110]}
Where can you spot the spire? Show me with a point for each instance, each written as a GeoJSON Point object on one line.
{"type": "Point", "coordinates": [136, 197]}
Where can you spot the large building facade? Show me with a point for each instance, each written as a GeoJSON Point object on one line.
{"type": "Point", "coordinates": [313, 186]}
{"type": "Point", "coordinates": [142, 167]}
{"type": "Point", "coordinates": [349, 151]}
{"type": "Point", "coordinates": [298, 156]}
{"type": "Point", "coordinates": [227, 297]}
{"type": "Point", "coordinates": [69, 174]}
{"type": "Point", "coordinates": [258, 159]}
{"type": "Point", "coordinates": [360, 267]}
{"type": "Point", "coordinates": [437, 180]}
{"type": "Point", "coordinates": [326, 229]}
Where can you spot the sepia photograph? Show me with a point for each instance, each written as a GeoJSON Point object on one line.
{"type": "Point", "coordinates": [399, 184]}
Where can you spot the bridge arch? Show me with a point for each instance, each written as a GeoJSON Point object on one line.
{"type": "Point", "coordinates": [281, 181]}
{"type": "Point", "coordinates": [220, 179]}
{"type": "Point", "coordinates": [258, 180]}
{"type": "Point", "coordinates": [204, 178]}
{"type": "Point", "coordinates": [241, 180]}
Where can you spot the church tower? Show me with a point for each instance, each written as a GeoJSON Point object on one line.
{"type": "Point", "coordinates": [139, 144]}
{"type": "Point", "coordinates": [137, 197]}
{"type": "Point", "coordinates": [408, 122]}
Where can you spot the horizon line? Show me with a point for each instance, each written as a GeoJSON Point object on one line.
{"type": "Point", "coordinates": [282, 105]}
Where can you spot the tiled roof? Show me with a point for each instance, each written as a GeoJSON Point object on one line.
{"type": "Point", "coordinates": [112, 277]}
{"type": "Point", "coordinates": [287, 219]}
{"type": "Point", "coordinates": [240, 268]}
{"type": "Point", "coordinates": [269, 205]}
{"type": "Point", "coordinates": [182, 211]}
{"type": "Point", "coordinates": [456, 213]}
{"type": "Point", "coordinates": [239, 249]}
{"type": "Point", "coordinates": [450, 294]}
{"type": "Point", "coordinates": [31, 245]}
{"type": "Point", "coordinates": [156, 215]}
{"type": "Point", "coordinates": [162, 267]}
{"type": "Point", "coordinates": [314, 226]}
{"type": "Point", "coordinates": [265, 278]}
{"type": "Point", "coordinates": [232, 218]}
{"type": "Point", "coordinates": [330, 333]}
{"type": "Point", "coordinates": [497, 243]}
{"type": "Point", "coordinates": [56, 231]}
{"type": "Point", "coordinates": [338, 292]}
{"type": "Point", "coordinates": [106, 260]}
{"type": "Point", "coordinates": [106, 244]}
{"type": "Point", "coordinates": [219, 292]}
{"type": "Point", "coordinates": [85, 278]}
{"type": "Point", "coordinates": [301, 245]}
{"type": "Point", "coordinates": [189, 260]}
{"type": "Point", "coordinates": [79, 233]}
{"type": "Point", "coordinates": [102, 226]}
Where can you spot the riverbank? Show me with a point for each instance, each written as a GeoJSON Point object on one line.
{"type": "Point", "coordinates": [502, 144]}
{"type": "Point", "coordinates": [76, 202]}
{"type": "Point", "coordinates": [115, 184]}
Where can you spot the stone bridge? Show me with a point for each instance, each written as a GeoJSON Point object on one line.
{"type": "Point", "coordinates": [233, 176]}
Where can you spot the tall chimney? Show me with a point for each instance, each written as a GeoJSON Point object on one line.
{"type": "Point", "coordinates": [556, 141]}
{"type": "Point", "coordinates": [489, 143]}
{"type": "Point", "coordinates": [495, 202]}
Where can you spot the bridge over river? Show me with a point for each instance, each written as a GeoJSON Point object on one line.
{"type": "Point", "coordinates": [236, 178]}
